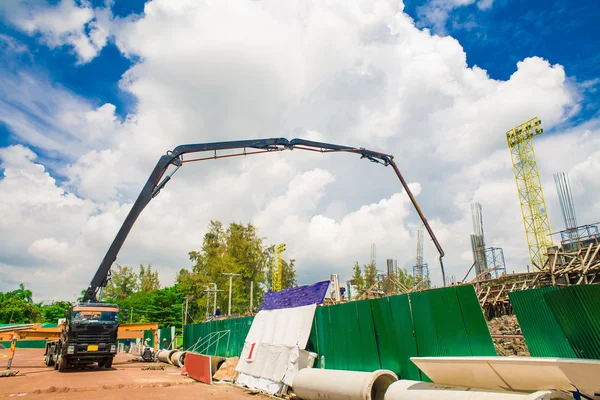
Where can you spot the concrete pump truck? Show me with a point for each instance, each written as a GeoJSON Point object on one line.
{"type": "Point", "coordinates": [89, 333]}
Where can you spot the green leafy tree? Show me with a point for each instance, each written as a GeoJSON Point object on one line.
{"type": "Point", "coordinates": [52, 313]}
{"type": "Point", "coordinates": [14, 308]}
{"type": "Point", "coordinates": [288, 274]}
{"type": "Point", "coordinates": [236, 249]}
{"type": "Point", "coordinates": [23, 294]}
{"type": "Point", "coordinates": [357, 279]}
{"type": "Point", "coordinates": [149, 281]}
{"type": "Point", "coordinates": [123, 283]}
{"type": "Point", "coordinates": [370, 275]}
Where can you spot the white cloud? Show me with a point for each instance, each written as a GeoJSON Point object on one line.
{"type": "Point", "coordinates": [435, 13]}
{"type": "Point", "coordinates": [356, 73]}
{"type": "Point", "coordinates": [62, 24]}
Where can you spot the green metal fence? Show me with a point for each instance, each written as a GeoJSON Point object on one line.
{"type": "Point", "coordinates": [224, 338]}
{"type": "Point", "coordinates": [577, 311]}
{"type": "Point", "coordinates": [542, 333]}
{"type": "Point", "coordinates": [373, 334]}
{"type": "Point", "coordinates": [384, 333]}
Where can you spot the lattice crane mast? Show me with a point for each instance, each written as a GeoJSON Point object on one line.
{"type": "Point", "coordinates": [529, 188]}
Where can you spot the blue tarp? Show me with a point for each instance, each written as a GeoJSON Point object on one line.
{"type": "Point", "coordinates": [296, 297]}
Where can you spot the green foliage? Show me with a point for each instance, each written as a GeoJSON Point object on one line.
{"type": "Point", "coordinates": [236, 249]}
{"type": "Point", "coordinates": [149, 281]}
{"type": "Point", "coordinates": [18, 309]}
{"type": "Point", "coordinates": [122, 284]}
{"type": "Point", "coordinates": [53, 312]}
{"type": "Point", "coordinates": [160, 305]}
{"type": "Point", "coordinates": [358, 280]}
{"type": "Point", "coordinates": [370, 275]}
{"type": "Point", "coordinates": [23, 294]}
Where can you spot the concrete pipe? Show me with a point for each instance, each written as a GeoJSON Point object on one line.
{"type": "Point", "coordinates": [163, 356]}
{"type": "Point", "coordinates": [415, 390]}
{"type": "Point", "coordinates": [170, 356]}
{"type": "Point", "coordinates": [215, 363]}
{"type": "Point", "coordinates": [331, 384]}
{"type": "Point", "coordinates": [176, 358]}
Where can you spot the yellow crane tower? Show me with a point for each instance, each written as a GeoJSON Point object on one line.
{"type": "Point", "coordinates": [529, 187]}
{"type": "Point", "coordinates": [277, 270]}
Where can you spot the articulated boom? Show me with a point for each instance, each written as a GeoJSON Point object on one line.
{"type": "Point", "coordinates": [175, 158]}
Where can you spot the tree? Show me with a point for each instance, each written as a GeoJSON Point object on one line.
{"type": "Point", "coordinates": [149, 281]}
{"type": "Point", "coordinates": [288, 274]}
{"type": "Point", "coordinates": [16, 307]}
{"type": "Point", "coordinates": [122, 284]}
{"type": "Point", "coordinates": [357, 279]}
{"type": "Point", "coordinates": [370, 275]}
{"type": "Point", "coordinates": [236, 249]}
{"type": "Point", "coordinates": [23, 294]}
{"type": "Point", "coordinates": [52, 313]}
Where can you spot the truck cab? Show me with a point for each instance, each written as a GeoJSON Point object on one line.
{"type": "Point", "coordinates": [89, 335]}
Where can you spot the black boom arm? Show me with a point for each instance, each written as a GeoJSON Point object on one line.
{"type": "Point", "coordinates": [175, 158]}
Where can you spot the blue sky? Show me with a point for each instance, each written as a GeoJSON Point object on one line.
{"type": "Point", "coordinates": [494, 39]}
{"type": "Point", "coordinates": [564, 32]}
{"type": "Point", "coordinates": [280, 73]}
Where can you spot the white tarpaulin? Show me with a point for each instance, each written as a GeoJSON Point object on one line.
{"type": "Point", "coordinates": [274, 348]}
{"type": "Point", "coordinates": [287, 326]}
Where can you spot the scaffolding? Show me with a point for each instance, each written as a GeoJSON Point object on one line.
{"type": "Point", "coordinates": [494, 257]}
{"type": "Point", "coordinates": [478, 240]}
{"type": "Point", "coordinates": [420, 269]}
{"type": "Point", "coordinates": [529, 188]}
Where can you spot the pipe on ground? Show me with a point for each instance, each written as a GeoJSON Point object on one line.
{"type": "Point", "coordinates": [415, 390]}
{"type": "Point", "coordinates": [215, 363]}
{"type": "Point", "coordinates": [331, 384]}
{"type": "Point", "coordinates": [178, 358]}
{"type": "Point", "coordinates": [170, 355]}
{"type": "Point", "coordinates": [163, 356]}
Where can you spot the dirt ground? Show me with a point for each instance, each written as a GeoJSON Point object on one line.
{"type": "Point", "coordinates": [508, 325]}
{"type": "Point", "coordinates": [125, 380]}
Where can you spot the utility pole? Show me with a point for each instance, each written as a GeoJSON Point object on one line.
{"type": "Point", "coordinates": [215, 298]}
{"type": "Point", "coordinates": [230, 275]}
{"type": "Point", "coordinates": [131, 316]}
{"type": "Point", "coordinates": [186, 309]}
{"type": "Point", "coordinates": [251, 294]}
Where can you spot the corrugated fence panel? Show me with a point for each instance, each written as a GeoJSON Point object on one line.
{"type": "Point", "coordinates": [367, 341]}
{"type": "Point", "coordinates": [226, 336]}
{"type": "Point", "coordinates": [543, 334]}
{"type": "Point", "coordinates": [577, 311]}
{"type": "Point", "coordinates": [404, 334]}
{"type": "Point", "coordinates": [476, 327]}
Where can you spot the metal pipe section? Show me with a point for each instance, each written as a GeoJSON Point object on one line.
{"type": "Point", "coordinates": [415, 390]}
{"type": "Point", "coordinates": [413, 200]}
{"type": "Point", "coordinates": [320, 384]}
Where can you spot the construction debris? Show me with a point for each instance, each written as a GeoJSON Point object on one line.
{"type": "Point", "coordinates": [226, 371]}
{"type": "Point", "coordinates": [563, 268]}
{"type": "Point", "coordinates": [510, 346]}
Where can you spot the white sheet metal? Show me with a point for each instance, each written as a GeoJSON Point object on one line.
{"type": "Point", "coordinates": [514, 373]}
{"type": "Point", "coordinates": [288, 327]}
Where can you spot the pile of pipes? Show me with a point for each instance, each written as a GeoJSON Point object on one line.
{"type": "Point", "coordinates": [172, 357]}
{"type": "Point", "coordinates": [318, 384]}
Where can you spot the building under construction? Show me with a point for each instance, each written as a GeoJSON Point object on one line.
{"type": "Point", "coordinates": [575, 261]}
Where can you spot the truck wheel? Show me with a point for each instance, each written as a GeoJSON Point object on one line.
{"type": "Point", "coordinates": [62, 364]}
{"type": "Point", "coordinates": [108, 362]}
{"type": "Point", "coordinates": [101, 363]}
{"type": "Point", "coordinates": [49, 360]}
